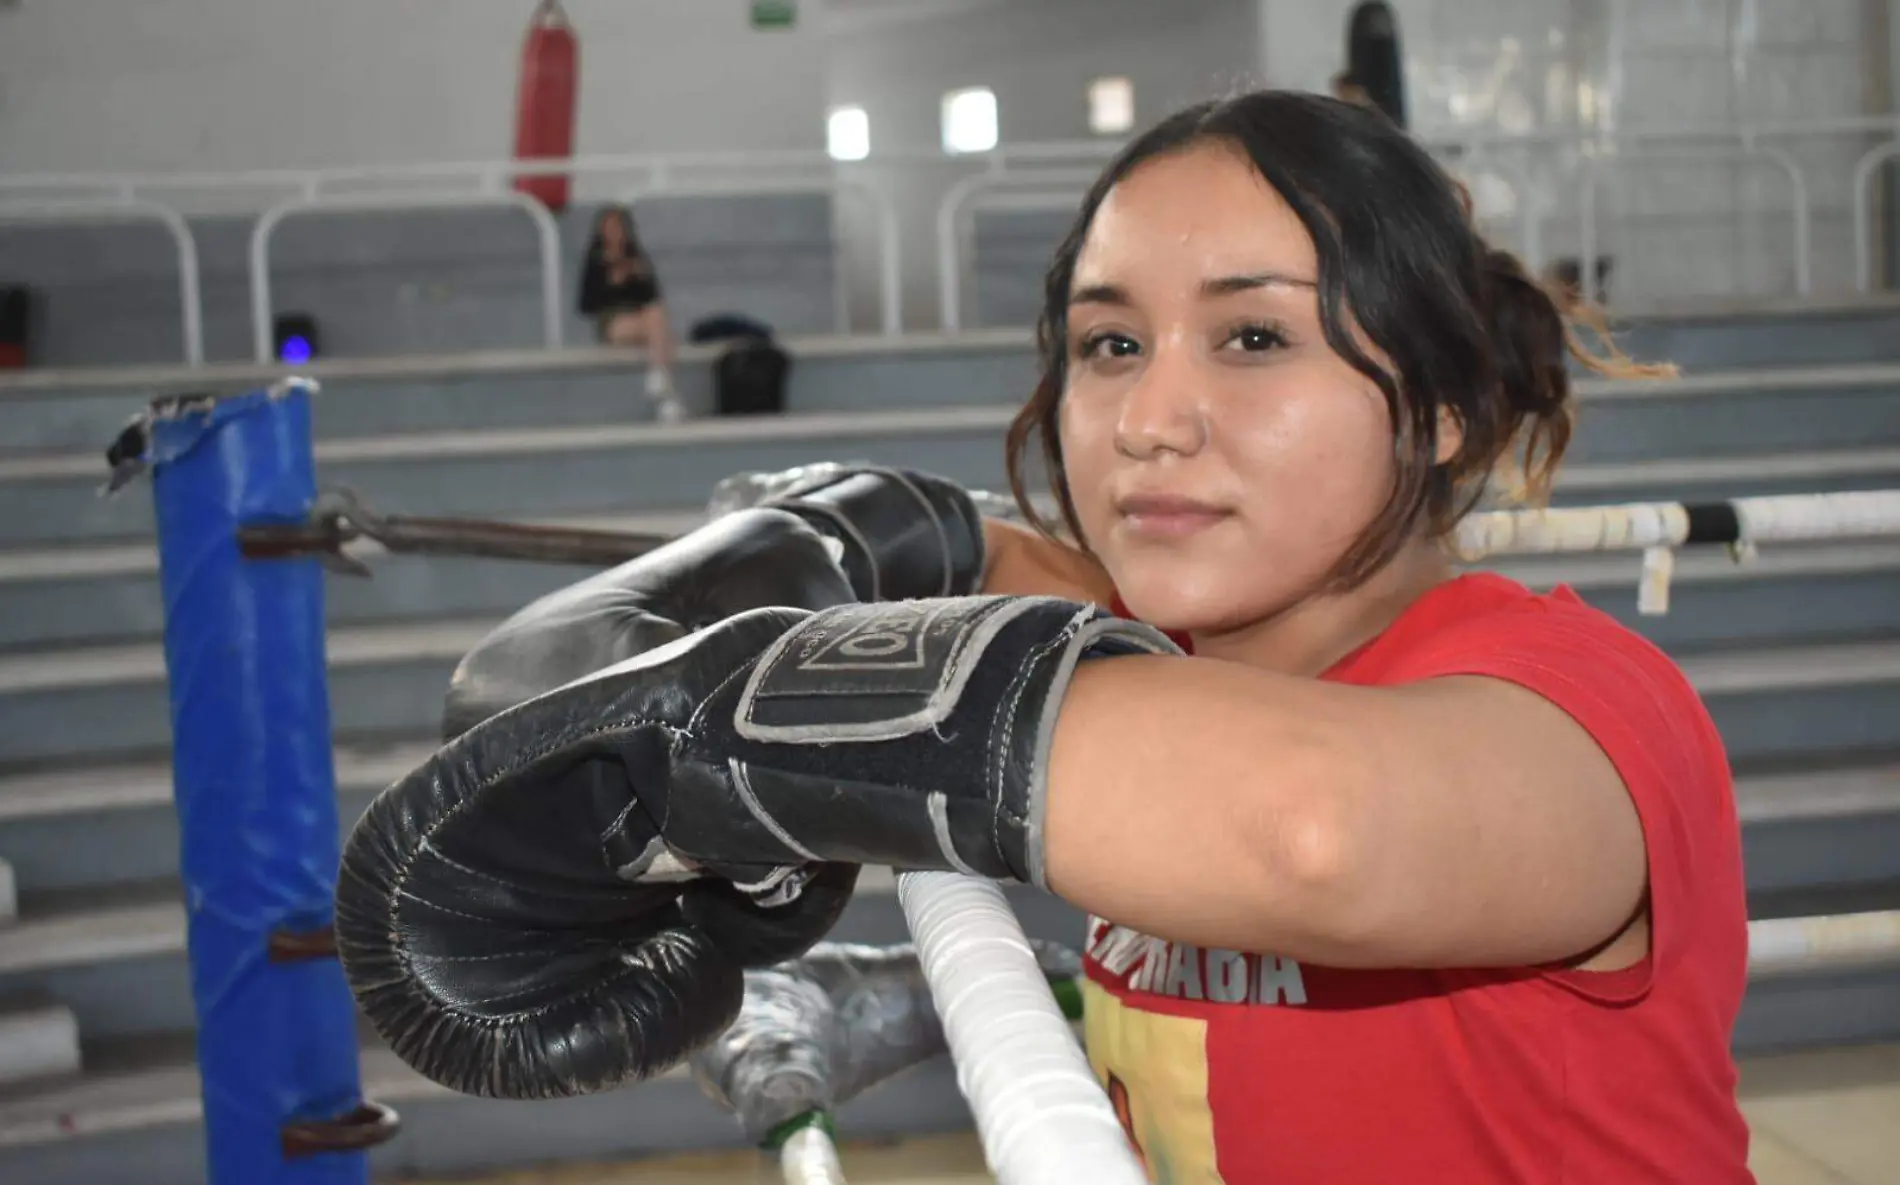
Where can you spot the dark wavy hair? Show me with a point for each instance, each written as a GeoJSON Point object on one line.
{"type": "Point", "coordinates": [1466, 329]}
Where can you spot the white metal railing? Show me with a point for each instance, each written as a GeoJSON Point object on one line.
{"type": "Point", "coordinates": [1061, 164]}
{"type": "Point", "coordinates": [548, 235]}
{"type": "Point", "coordinates": [952, 233]}
{"type": "Point", "coordinates": [1593, 169]}
{"type": "Point", "coordinates": [659, 169]}
{"type": "Point", "coordinates": [1863, 211]}
{"type": "Point", "coordinates": [889, 246]}
{"type": "Point", "coordinates": [112, 209]}
{"type": "Point", "coordinates": [1596, 154]}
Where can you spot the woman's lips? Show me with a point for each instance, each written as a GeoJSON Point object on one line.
{"type": "Point", "coordinates": [1166, 516]}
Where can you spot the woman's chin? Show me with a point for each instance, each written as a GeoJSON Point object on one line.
{"type": "Point", "coordinates": [1179, 605]}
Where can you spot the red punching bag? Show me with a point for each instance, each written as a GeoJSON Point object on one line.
{"type": "Point", "coordinates": [544, 114]}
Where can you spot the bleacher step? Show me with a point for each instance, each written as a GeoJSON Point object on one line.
{"type": "Point", "coordinates": [1834, 834]}
{"type": "Point", "coordinates": [38, 1041]}
{"type": "Point", "coordinates": [388, 680]}
{"type": "Point", "coordinates": [590, 469]}
{"type": "Point", "coordinates": [153, 1103]}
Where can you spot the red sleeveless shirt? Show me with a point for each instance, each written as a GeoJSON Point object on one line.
{"type": "Point", "coordinates": [1240, 1067]}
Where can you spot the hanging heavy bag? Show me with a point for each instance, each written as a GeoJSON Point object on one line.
{"type": "Point", "coordinates": [1374, 58]}
{"type": "Point", "coordinates": [749, 377]}
{"type": "Point", "coordinates": [16, 317]}
{"type": "Point", "coordinates": [545, 111]}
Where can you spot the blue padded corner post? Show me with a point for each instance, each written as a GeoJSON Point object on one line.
{"type": "Point", "coordinates": [256, 794]}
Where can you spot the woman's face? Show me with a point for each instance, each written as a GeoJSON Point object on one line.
{"type": "Point", "coordinates": [1222, 458]}
{"type": "Point", "coordinates": [613, 233]}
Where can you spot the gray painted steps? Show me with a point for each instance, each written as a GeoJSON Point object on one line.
{"type": "Point", "coordinates": [74, 828]}
{"type": "Point", "coordinates": [54, 597]}
{"type": "Point", "coordinates": [537, 472]}
{"type": "Point", "coordinates": [85, 826]}
{"type": "Point", "coordinates": [84, 947]}
{"type": "Point", "coordinates": [54, 499]}
{"type": "Point", "coordinates": [142, 1126]}
{"type": "Point", "coordinates": [68, 829]}
{"type": "Point", "coordinates": [510, 389]}
{"type": "Point", "coordinates": [39, 1039]}
{"type": "Point", "coordinates": [388, 679]}
{"type": "Point", "coordinates": [139, 1122]}
{"type": "Point", "coordinates": [1804, 408]}
{"type": "Point", "coordinates": [80, 409]}
{"type": "Point", "coordinates": [66, 596]}
{"type": "Point", "coordinates": [1833, 834]}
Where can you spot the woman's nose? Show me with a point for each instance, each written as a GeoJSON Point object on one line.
{"type": "Point", "coordinates": [1164, 409]}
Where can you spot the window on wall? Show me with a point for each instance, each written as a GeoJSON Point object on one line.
{"type": "Point", "coordinates": [1111, 106]}
{"type": "Point", "coordinates": [848, 133]}
{"type": "Point", "coordinates": [969, 120]}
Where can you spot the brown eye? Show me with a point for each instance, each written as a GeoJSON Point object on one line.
{"type": "Point", "coordinates": [1257, 339]}
{"type": "Point", "coordinates": [1109, 345]}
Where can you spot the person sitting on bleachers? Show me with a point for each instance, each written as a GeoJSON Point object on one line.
{"type": "Point", "coordinates": [621, 291]}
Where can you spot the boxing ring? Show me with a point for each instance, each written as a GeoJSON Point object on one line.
{"type": "Point", "coordinates": [243, 553]}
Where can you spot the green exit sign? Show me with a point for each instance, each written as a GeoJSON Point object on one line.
{"type": "Point", "coordinates": [774, 14]}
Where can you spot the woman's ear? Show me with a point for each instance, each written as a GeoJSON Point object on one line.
{"type": "Point", "coordinates": [1451, 436]}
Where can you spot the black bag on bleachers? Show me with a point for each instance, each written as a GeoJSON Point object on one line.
{"type": "Point", "coordinates": [749, 378]}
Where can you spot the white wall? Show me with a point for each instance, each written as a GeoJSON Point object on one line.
{"type": "Point", "coordinates": [1038, 56]}
{"type": "Point", "coordinates": [1678, 228]}
{"type": "Point", "coordinates": [160, 85]}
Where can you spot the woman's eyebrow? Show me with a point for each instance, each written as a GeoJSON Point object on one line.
{"type": "Point", "coordinates": [1228, 285]}
{"type": "Point", "coordinates": [1113, 294]}
{"type": "Point", "coordinates": [1100, 294]}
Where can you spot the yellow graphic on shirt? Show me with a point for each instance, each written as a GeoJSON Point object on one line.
{"type": "Point", "coordinates": [1154, 1067]}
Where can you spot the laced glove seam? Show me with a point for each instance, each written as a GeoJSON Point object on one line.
{"type": "Point", "coordinates": [1007, 708]}
{"type": "Point", "coordinates": [437, 906]}
{"type": "Point", "coordinates": [491, 878]}
{"type": "Point", "coordinates": [691, 731]}
{"type": "Point", "coordinates": [405, 869]}
{"type": "Point", "coordinates": [504, 955]}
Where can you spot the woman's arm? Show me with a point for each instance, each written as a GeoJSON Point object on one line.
{"type": "Point", "coordinates": [1455, 822]}
{"type": "Point", "coordinates": [1023, 562]}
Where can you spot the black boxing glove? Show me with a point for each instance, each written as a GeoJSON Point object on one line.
{"type": "Point", "coordinates": [691, 945]}
{"type": "Point", "coordinates": [905, 534]}
{"type": "Point", "coordinates": [747, 560]}
{"type": "Point", "coordinates": [496, 911]}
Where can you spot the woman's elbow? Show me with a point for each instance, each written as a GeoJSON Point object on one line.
{"type": "Point", "coordinates": [1315, 861]}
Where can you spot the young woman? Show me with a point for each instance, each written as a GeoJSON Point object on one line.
{"type": "Point", "coordinates": [1502, 889]}
{"type": "Point", "coordinates": [1404, 875]}
{"type": "Point", "coordinates": [621, 292]}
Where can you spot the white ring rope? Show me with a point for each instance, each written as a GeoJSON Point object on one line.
{"type": "Point", "coordinates": [1041, 1113]}
{"type": "Point", "coordinates": [1785, 946]}
{"type": "Point", "coordinates": [1658, 527]}
{"type": "Point", "coordinates": [1636, 525]}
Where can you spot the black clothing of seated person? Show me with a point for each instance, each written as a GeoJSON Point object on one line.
{"type": "Point", "coordinates": [621, 291]}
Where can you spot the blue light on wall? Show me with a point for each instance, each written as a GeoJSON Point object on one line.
{"type": "Point", "coordinates": [295, 335]}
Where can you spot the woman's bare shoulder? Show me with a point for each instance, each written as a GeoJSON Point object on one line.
{"type": "Point", "coordinates": [1025, 562]}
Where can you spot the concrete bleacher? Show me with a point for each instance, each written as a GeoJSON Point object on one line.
{"type": "Point", "coordinates": [1797, 653]}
